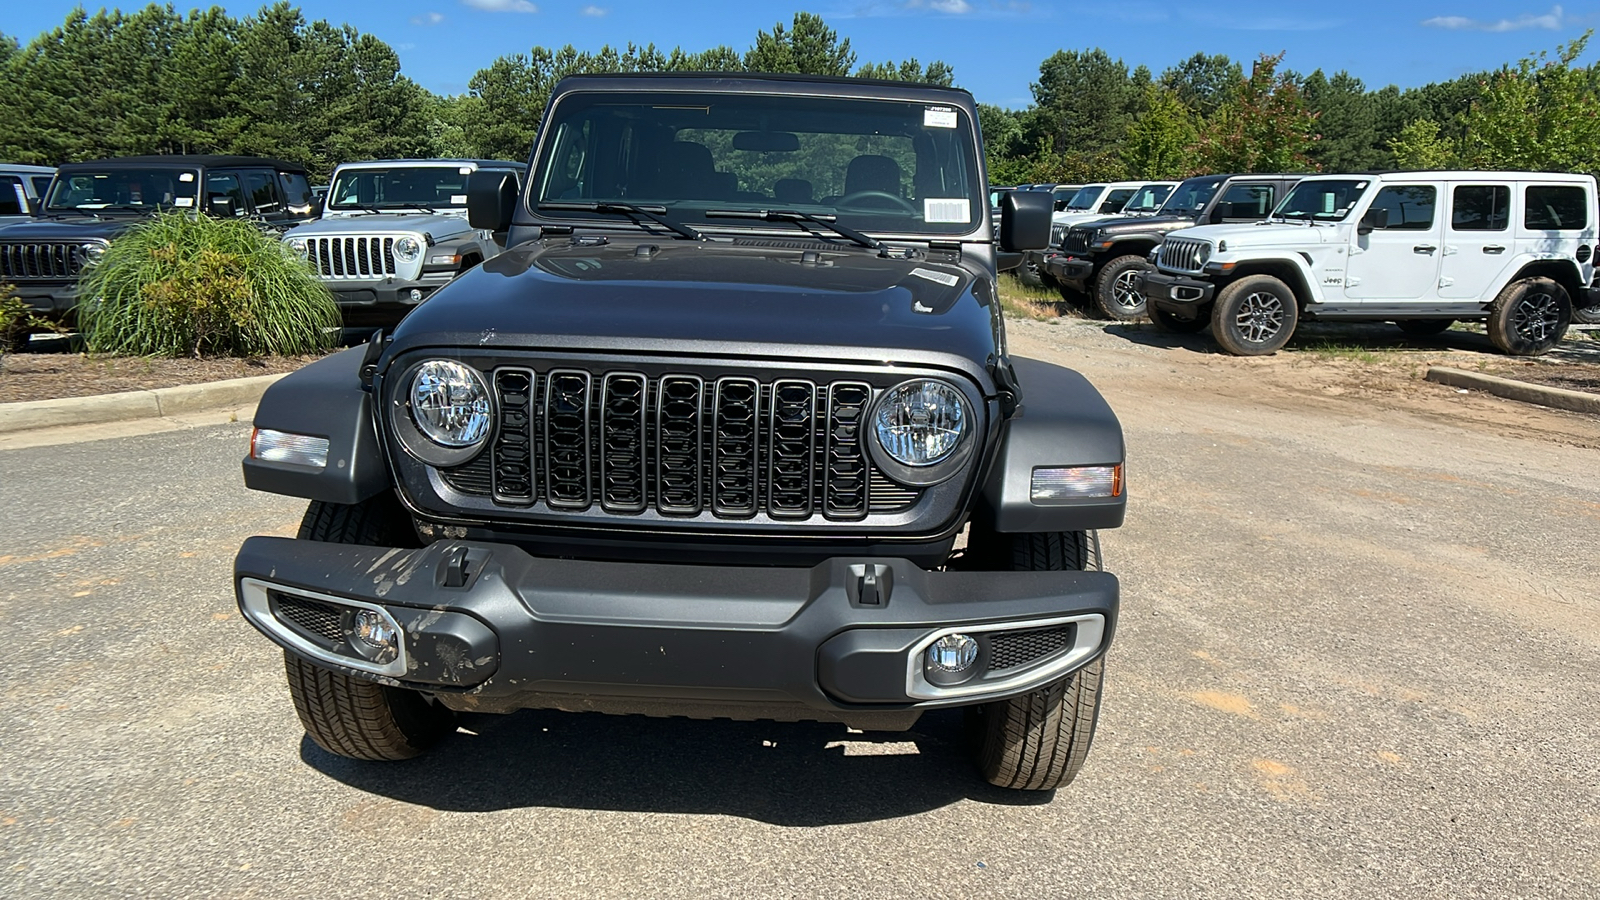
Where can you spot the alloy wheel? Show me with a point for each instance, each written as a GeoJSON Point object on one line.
{"type": "Point", "coordinates": [1536, 317]}
{"type": "Point", "coordinates": [1124, 292]}
{"type": "Point", "coordinates": [1260, 317]}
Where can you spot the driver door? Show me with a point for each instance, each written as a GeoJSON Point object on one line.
{"type": "Point", "coordinates": [1401, 260]}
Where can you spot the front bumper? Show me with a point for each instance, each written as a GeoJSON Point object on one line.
{"type": "Point", "coordinates": [1176, 293]}
{"type": "Point", "coordinates": [392, 293]}
{"type": "Point", "coordinates": [1072, 271]}
{"type": "Point", "coordinates": [54, 299]}
{"type": "Point", "coordinates": [488, 626]}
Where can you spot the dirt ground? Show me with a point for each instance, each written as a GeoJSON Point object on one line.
{"type": "Point", "coordinates": [46, 376]}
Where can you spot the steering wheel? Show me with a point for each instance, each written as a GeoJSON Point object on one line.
{"type": "Point", "coordinates": [851, 200]}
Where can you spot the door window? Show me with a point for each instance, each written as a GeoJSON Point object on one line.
{"type": "Point", "coordinates": [1247, 201]}
{"type": "Point", "coordinates": [12, 200]}
{"type": "Point", "coordinates": [225, 184]}
{"type": "Point", "coordinates": [1410, 206]}
{"type": "Point", "coordinates": [296, 191]}
{"type": "Point", "coordinates": [263, 193]}
{"type": "Point", "coordinates": [41, 185]}
{"type": "Point", "coordinates": [1480, 207]}
{"type": "Point", "coordinates": [1555, 208]}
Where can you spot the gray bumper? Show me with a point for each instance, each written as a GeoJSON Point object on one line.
{"type": "Point", "coordinates": [1178, 293]}
{"type": "Point", "coordinates": [390, 293]}
{"type": "Point", "coordinates": [1072, 270]}
{"type": "Point", "coordinates": [513, 630]}
{"type": "Point", "coordinates": [50, 299]}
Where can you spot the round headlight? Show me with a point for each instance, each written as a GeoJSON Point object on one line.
{"type": "Point", "coordinates": [93, 251]}
{"type": "Point", "coordinates": [407, 249]}
{"type": "Point", "coordinates": [1205, 254]}
{"type": "Point", "coordinates": [920, 423]}
{"type": "Point", "coordinates": [298, 245]}
{"type": "Point", "coordinates": [450, 404]}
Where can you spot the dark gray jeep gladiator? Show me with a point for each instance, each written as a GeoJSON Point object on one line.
{"type": "Point", "coordinates": [1103, 260]}
{"type": "Point", "coordinates": [730, 430]}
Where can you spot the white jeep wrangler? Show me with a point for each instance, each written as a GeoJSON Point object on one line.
{"type": "Point", "coordinates": [1420, 249]}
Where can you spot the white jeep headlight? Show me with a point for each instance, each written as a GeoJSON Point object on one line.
{"type": "Point", "coordinates": [920, 423]}
{"type": "Point", "coordinates": [450, 404]}
{"type": "Point", "coordinates": [407, 249]}
{"type": "Point", "coordinates": [298, 246]}
{"type": "Point", "coordinates": [93, 250]}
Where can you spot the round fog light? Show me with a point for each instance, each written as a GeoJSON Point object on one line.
{"type": "Point", "coordinates": [416, 295]}
{"type": "Point", "coordinates": [375, 636]}
{"type": "Point", "coordinates": [950, 659]}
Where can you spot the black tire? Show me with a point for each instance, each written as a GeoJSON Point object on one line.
{"type": "Point", "coordinates": [1424, 328]}
{"type": "Point", "coordinates": [349, 716]}
{"type": "Point", "coordinates": [1028, 274]}
{"type": "Point", "coordinates": [1048, 281]}
{"type": "Point", "coordinates": [1115, 295]}
{"type": "Point", "coordinates": [1254, 316]}
{"type": "Point", "coordinates": [1529, 317]}
{"type": "Point", "coordinates": [1586, 315]}
{"type": "Point", "coordinates": [1039, 740]}
{"type": "Point", "coordinates": [1172, 323]}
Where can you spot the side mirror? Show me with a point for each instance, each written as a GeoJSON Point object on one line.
{"type": "Point", "coordinates": [1025, 221]}
{"type": "Point", "coordinates": [491, 200]}
{"type": "Point", "coordinates": [1061, 205]}
{"type": "Point", "coordinates": [1217, 213]}
{"type": "Point", "coordinates": [222, 206]}
{"type": "Point", "coordinates": [1374, 220]}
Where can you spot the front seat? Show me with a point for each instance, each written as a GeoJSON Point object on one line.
{"type": "Point", "coordinates": [872, 173]}
{"type": "Point", "coordinates": [686, 172]}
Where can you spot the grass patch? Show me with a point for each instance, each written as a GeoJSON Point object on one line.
{"type": "Point", "coordinates": [193, 285]}
{"type": "Point", "coordinates": [1021, 301]}
{"type": "Point", "coordinates": [1329, 349]}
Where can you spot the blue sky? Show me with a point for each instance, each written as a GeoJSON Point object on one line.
{"type": "Point", "coordinates": [995, 45]}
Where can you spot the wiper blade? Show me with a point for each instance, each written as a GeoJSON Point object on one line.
{"type": "Point", "coordinates": [794, 215]}
{"type": "Point", "coordinates": [653, 213]}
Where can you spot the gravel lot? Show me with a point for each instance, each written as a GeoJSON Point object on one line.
{"type": "Point", "coordinates": [1358, 657]}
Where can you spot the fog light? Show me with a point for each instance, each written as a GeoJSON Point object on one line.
{"type": "Point", "coordinates": [1068, 483]}
{"type": "Point", "coordinates": [415, 295]}
{"type": "Point", "coordinates": [282, 447]}
{"type": "Point", "coordinates": [375, 636]}
{"type": "Point", "coordinates": [950, 659]}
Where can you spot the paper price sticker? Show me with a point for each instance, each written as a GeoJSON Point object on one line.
{"type": "Point", "coordinates": [458, 199]}
{"type": "Point", "coordinates": [938, 117]}
{"type": "Point", "coordinates": [946, 209]}
{"type": "Point", "coordinates": [183, 201]}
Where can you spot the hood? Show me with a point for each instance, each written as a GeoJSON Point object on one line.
{"type": "Point", "coordinates": [74, 228]}
{"type": "Point", "coordinates": [1076, 218]}
{"type": "Point", "coordinates": [816, 300]}
{"type": "Point", "coordinates": [439, 226]}
{"type": "Point", "coordinates": [1145, 223]}
{"type": "Point", "coordinates": [1263, 234]}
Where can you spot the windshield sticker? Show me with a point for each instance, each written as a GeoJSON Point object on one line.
{"type": "Point", "coordinates": [186, 176]}
{"type": "Point", "coordinates": [183, 201]}
{"type": "Point", "coordinates": [464, 170]}
{"type": "Point", "coordinates": [944, 278]}
{"type": "Point", "coordinates": [946, 209]}
{"type": "Point", "coordinates": [938, 117]}
{"type": "Point", "coordinates": [458, 199]}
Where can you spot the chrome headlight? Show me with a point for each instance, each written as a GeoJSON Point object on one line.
{"type": "Point", "coordinates": [917, 425]}
{"type": "Point", "coordinates": [407, 249]}
{"type": "Point", "coordinates": [298, 246]}
{"type": "Point", "coordinates": [93, 251]}
{"type": "Point", "coordinates": [1204, 253]}
{"type": "Point", "coordinates": [442, 412]}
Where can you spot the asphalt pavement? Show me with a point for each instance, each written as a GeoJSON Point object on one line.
{"type": "Point", "coordinates": [1358, 658]}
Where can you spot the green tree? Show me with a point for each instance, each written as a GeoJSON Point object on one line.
{"type": "Point", "coordinates": [1264, 127]}
{"type": "Point", "coordinates": [1543, 114]}
{"type": "Point", "coordinates": [1419, 146]}
{"type": "Point", "coordinates": [1203, 83]}
{"type": "Point", "coordinates": [809, 47]}
{"type": "Point", "coordinates": [1085, 102]}
{"type": "Point", "coordinates": [938, 72]}
{"type": "Point", "coordinates": [1161, 142]}
{"type": "Point", "coordinates": [1347, 123]}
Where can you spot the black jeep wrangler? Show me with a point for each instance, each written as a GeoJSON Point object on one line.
{"type": "Point", "coordinates": [89, 203]}
{"type": "Point", "coordinates": [1103, 260]}
{"type": "Point", "coordinates": [729, 430]}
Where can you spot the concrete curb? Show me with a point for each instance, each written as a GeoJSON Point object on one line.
{"type": "Point", "coordinates": [1557, 398]}
{"type": "Point", "coordinates": [186, 399]}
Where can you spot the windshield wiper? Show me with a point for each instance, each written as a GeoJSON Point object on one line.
{"type": "Point", "coordinates": [794, 215]}
{"type": "Point", "coordinates": [653, 213]}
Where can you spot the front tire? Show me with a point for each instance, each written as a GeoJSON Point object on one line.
{"type": "Point", "coordinates": [1423, 328]}
{"type": "Point", "coordinates": [1254, 316]}
{"type": "Point", "coordinates": [1039, 740]}
{"type": "Point", "coordinates": [1116, 292]}
{"type": "Point", "coordinates": [349, 716]}
{"type": "Point", "coordinates": [1172, 323]}
{"type": "Point", "coordinates": [1529, 317]}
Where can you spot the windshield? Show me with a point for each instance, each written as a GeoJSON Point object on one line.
{"type": "Point", "coordinates": [1084, 199]}
{"type": "Point", "coordinates": [1188, 198]}
{"type": "Point", "coordinates": [400, 187]}
{"type": "Point", "coordinates": [1148, 198]}
{"type": "Point", "coordinates": [878, 165]}
{"type": "Point", "coordinates": [137, 190]}
{"type": "Point", "coordinates": [1321, 201]}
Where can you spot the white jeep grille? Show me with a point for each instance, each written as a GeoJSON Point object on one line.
{"type": "Point", "coordinates": [1183, 254]}
{"type": "Point", "coordinates": [352, 257]}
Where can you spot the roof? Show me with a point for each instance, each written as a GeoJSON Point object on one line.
{"type": "Point", "coordinates": [175, 159]}
{"type": "Point", "coordinates": [1456, 175]}
{"type": "Point", "coordinates": [15, 168]}
{"type": "Point", "coordinates": [480, 163]}
{"type": "Point", "coordinates": [731, 81]}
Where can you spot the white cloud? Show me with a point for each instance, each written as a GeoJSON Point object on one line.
{"type": "Point", "coordinates": [431, 18]}
{"type": "Point", "coordinates": [516, 6]}
{"type": "Point", "coordinates": [949, 7]}
{"type": "Point", "coordinates": [1549, 21]}
{"type": "Point", "coordinates": [595, 11]}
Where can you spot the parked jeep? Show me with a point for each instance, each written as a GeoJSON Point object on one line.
{"type": "Point", "coordinates": [1103, 259]}
{"type": "Point", "coordinates": [1119, 198]}
{"type": "Point", "coordinates": [34, 181]}
{"type": "Point", "coordinates": [1420, 249]}
{"type": "Point", "coordinates": [90, 203]}
{"type": "Point", "coordinates": [730, 430]}
{"type": "Point", "coordinates": [394, 231]}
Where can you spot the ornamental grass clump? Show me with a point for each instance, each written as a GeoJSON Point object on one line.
{"type": "Point", "coordinates": [192, 285]}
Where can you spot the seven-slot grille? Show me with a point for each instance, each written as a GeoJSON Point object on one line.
{"type": "Point", "coordinates": [1183, 254]}
{"type": "Point", "coordinates": [681, 445]}
{"type": "Point", "coordinates": [352, 257]}
{"type": "Point", "coordinates": [24, 261]}
{"type": "Point", "coordinates": [1076, 241]}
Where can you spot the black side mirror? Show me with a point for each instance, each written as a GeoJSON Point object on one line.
{"type": "Point", "coordinates": [222, 206]}
{"type": "Point", "coordinates": [1374, 220]}
{"type": "Point", "coordinates": [1218, 212]}
{"type": "Point", "coordinates": [1025, 221]}
{"type": "Point", "coordinates": [491, 200]}
{"type": "Point", "coordinates": [1061, 205]}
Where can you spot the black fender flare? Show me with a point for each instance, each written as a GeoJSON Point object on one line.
{"type": "Point", "coordinates": [325, 399]}
{"type": "Point", "coordinates": [1061, 421]}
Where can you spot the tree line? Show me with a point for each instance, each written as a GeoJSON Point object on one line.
{"type": "Point", "coordinates": [275, 84]}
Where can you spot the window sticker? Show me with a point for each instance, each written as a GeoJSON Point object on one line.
{"type": "Point", "coordinates": [458, 199]}
{"type": "Point", "coordinates": [946, 209]}
{"type": "Point", "coordinates": [938, 117]}
{"type": "Point", "coordinates": [183, 201]}
{"type": "Point", "coordinates": [464, 170]}
{"type": "Point", "coordinates": [186, 176]}
{"type": "Point", "coordinates": [944, 278]}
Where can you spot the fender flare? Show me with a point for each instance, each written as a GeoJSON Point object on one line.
{"type": "Point", "coordinates": [326, 400]}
